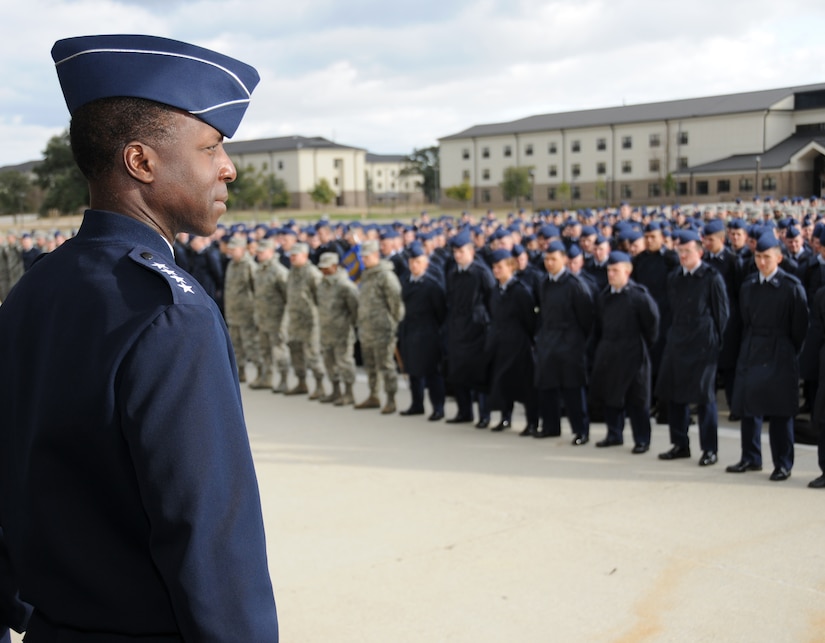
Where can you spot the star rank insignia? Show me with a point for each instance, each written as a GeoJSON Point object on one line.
{"type": "Point", "coordinates": [180, 282]}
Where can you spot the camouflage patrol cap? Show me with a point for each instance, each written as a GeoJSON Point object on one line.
{"type": "Point", "coordinates": [328, 260]}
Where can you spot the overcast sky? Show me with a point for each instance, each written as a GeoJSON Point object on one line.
{"type": "Point", "coordinates": [390, 77]}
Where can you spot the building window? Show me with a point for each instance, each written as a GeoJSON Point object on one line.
{"type": "Point", "coordinates": [392, 172]}
{"type": "Point", "coordinates": [626, 192]}
{"type": "Point", "coordinates": [552, 171]}
{"type": "Point", "coordinates": [702, 187]}
{"type": "Point", "coordinates": [280, 165]}
{"type": "Point", "coordinates": [485, 174]}
{"type": "Point", "coordinates": [601, 144]}
{"type": "Point", "coordinates": [575, 146]}
{"type": "Point", "coordinates": [683, 138]}
{"type": "Point", "coordinates": [601, 168]}
{"type": "Point", "coordinates": [337, 163]}
{"type": "Point", "coordinates": [575, 170]}
{"type": "Point", "coordinates": [465, 175]}
{"type": "Point", "coordinates": [654, 190]}
{"type": "Point", "coordinates": [655, 140]}
{"type": "Point", "coordinates": [508, 151]}
{"type": "Point", "coordinates": [551, 194]}
{"type": "Point", "coordinates": [654, 165]}
{"type": "Point", "coordinates": [551, 149]}
{"type": "Point", "coordinates": [575, 192]}
{"type": "Point", "coordinates": [485, 196]}
{"type": "Point", "coordinates": [683, 162]}
{"type": "Point", "coordinates": [378, 173]}
{"type": "Point", "coordinates": [768, 184]}
{"type": "Point", "coordinates": [722, 186]}
{"type": "Point", "coordinates": [627, 142]}
{"type": "Point", "coordinates": [627, 167]}
{"type": "Point", "coordinates": [380, 186]}
{"type": "Point", "coordinates": [528, 151]}
{"type": "Point", "coordinates": [746, 185]}
{"type": "Point", "coordinates": [683, 188]}
{"type": "Point", "coordinates": [465, 154]}
{"type": "Point", "coordinates": [485, 152]}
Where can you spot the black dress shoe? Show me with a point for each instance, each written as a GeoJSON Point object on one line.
{"type": "Point", "coordinates": [779, 474]}
{"type": "Point", "coordinates": [732, 417]}
{"type": "Point", "coordinates": [482, 424]}
{"type": "Point", "coordinates": [435, 416]}
{"type": "Point", "coordinates": [742, 466]}
{"type": "Point", "coordinates": [579, 440]}
{"type": "Point", "coordinates": [412, 411]}
{"type": "Point", "coordinates": [708, 458]}
{"type": "Point", "coordinates": [819, 483]}
{"type": "Point", "coordinates": [675, 453]}
{"type": "Point", "coordinates": [609, 442]}
{"type": "Point", "coordinates": [460, 419]}
{"type": "Point", "coordinates": [501, 426]}
{"type": "Point", "coordinates": [640, 448]}
{"type": "Point", "coordinates": [529, 430]}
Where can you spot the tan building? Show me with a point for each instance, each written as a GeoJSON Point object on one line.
{"type": "Point", "coordinates": [389, 184]}
{"type": "Point", "coordinates": [713, 149]}
{"type": "Point", "coordinates": [302, 162]}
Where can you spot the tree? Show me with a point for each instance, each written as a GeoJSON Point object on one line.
{"type": "Point", "coordinates": [517, 184]}
{"type": "Point", "coordinates": [277, 192]}
{"type": "Point", "coordinates": [601, 190]}
{"type": "Point", "coordinates": [247, 191]}
{"type": "Point", "coordinates": [563, 191]}
{"type": "Point", "coordinates": [463, 192]}
{"type": "Point", "coordinates": [322, 193]}
{"type": "Point", "coordinates": [426, 163]}
{"type": "Point", "coordinates": [65, 186]}
{"type": "Point", "coordinates": [669, 184]}
{"type": "Point", "coordinates": [15, 192]}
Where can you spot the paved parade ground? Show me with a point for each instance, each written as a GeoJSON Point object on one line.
{"type": "Point", "coordinates": [390, 529]}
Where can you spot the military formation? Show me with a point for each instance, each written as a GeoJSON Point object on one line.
{"type": "Point", "coordinates": [613, 315]}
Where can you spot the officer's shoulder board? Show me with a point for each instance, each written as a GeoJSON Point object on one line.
{"type": "Point", "coordinates": [182, 286]}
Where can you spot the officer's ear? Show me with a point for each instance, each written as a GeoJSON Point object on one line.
{"type": "Point", "coordinates": [140, 161]}
{"type": "Point", "coordinates": [779, 255]}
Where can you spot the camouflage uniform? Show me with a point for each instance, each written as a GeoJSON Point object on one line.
{"type": "Point", "coordinates": [239, 310]}
{"type": "Point", "coordinates": [380, 309]}
{"type": "Point", "coordinates": [270, 306]}
{"type": "Point", "coordinates": [337, 316]}
{"type": "Point", "coordinates": [302, 327]}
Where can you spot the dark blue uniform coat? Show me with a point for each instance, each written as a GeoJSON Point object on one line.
{"type": "Point", "coordinates": [468, 317]}
{"type": "Point", "coordinates": [510, 344]}
{"type": "Point", "coordinates": [565, 322]}
{"type": "Point", "coordinates": [774, 322]}
{"type": "Point", "coordinates": [626, 326]}
{"type": "Point", "coordinates": [128, 496]}
{"type": "Point", "coordinates": [729, 266]}
{"type": "Point", "coordinates": [419, 333]}
{"type": "Point", "coordinates": [699, 305]}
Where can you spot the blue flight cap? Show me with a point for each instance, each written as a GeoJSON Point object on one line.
{"type": "Point", "coordinates": [555, 246]}
{"type": "Point", "coordinates": [518, 249]}
{"type": "Point", "coordinates": [767, 241]}
{"type": "Point", "coordinates": [792, 232]}
{"type": "Point", "coordinates": [618, 257]}
{"type": "Point", "coordinates": [574, 251]}
{"type": "Point", "coordinates": [713, 226]}
{"type": "Point", "coordinates": [686, 236]}
{"type": "Point", "coordinates": [548, 231]}
{"type": "Point", "coordinates": [389, 233]}
{"type": "Point", "coordinates": [210, 86]}
{"type": "Point", "coordinates": [737, 224]}
{"type": "Point", "coordinates": [653, 226]}
{"type": "Point", "coordinates": [415, 250]}
{"type": "Point", "coordinates": [500, 255]}
{"type": "Point", "coordinates": [461, 239]}
{"type": "Point", "coordinates": [588, 231]}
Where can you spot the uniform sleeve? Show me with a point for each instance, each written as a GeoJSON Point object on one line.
{"type": "Point", "coordinates": [351, 295]}
{"type": "Point", "coordinates": [182, 419]}
{"type": "Point", "coordinates": [720, 307]}
{"type": "Point", "coordinates": [392, 294]}
{"type": "Point", "coordinates": [799, 320]}
{"type": "Point", "coordinates": [583, 307]}
{"type": "Point", "coordinates": [648, 318]}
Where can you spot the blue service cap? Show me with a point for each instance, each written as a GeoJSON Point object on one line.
{"type": "Point", "coordinates": [630, 235]}
{"type": "Point", "coordinates": [210, 86]}
{"type": "Point", "coordinates": [618, 257]}
{"type": "Point", "coordinates": [792, 232]}
{"type": "Point", "coordinates": [461, 239]}
{"type": "Point", "coordinates": [574, 251]}
{"type": "Point", "coordinates": [518, 249]}
{"type": "Point", "coordinates": [389, 233]}
{"type": "Point", "coordinates": [653, 226]}
{"type": "Point", "coordinates": [288, 231]}
{"type": "Point", "coordinates": [555, 246]}
{"type": "Point", "coordinates": [588, 231]}
{"type": "Point", "coordinates": [713, 226]}
{"type": "Point", "coordinates": [500, 255]}
{"type": "Point", "coordinates": [737, 224]}
{"type": "Point", "coordinates": [686, 236]}
{"type": "Point", "coordinates": [548, 231]}
{"type": "Point", "coordinates": [767, 241]}
{"type": "Point", "coordinates": [415, 250]}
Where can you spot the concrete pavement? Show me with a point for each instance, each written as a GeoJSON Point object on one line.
{"type": "Point", "coordinates": [393, 529]}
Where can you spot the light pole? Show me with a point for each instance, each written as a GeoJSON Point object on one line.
{"type": "Point", "coordinates": [756, 185]}
{"type": "Point", "coordinates": [533, 189]}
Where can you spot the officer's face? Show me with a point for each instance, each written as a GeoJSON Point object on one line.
{"type": "Point", "coordinates": [418, 265]}
{"type": "Point", "coordinates": [553, 262]}
{"type": "Point", "coordinates": [618, 274]}
{"type": "Point", "coordinates": [371, 260]}
{"type": "Point", "coordinates": [298, 260]}
{"type": "Point", "coordinates": [188, 187]}
{"type": "Point", "coordinates": [654, 240]}
{"type": "Point", "coordinates": [714, 242]}
{"type": "Point", "coordinates": [737, 238]}
{"type": "Point", "coordinates": [768, 261]}
{"type": "Point", "coordinates": [464, 255]}
{"type": "Point", "coordinates": [690, 255]}
{"type": "Point", "coordinates": [503, 270]}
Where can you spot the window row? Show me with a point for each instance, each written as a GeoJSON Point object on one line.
{"type": "Point", "coordinates": [655, 140]}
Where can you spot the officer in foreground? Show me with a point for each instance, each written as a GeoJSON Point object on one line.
{"type": "Point", "coordinates": [129, 502]}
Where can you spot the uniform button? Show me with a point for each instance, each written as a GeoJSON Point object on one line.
{"type": "Point", "coordinates": [147, 255]}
